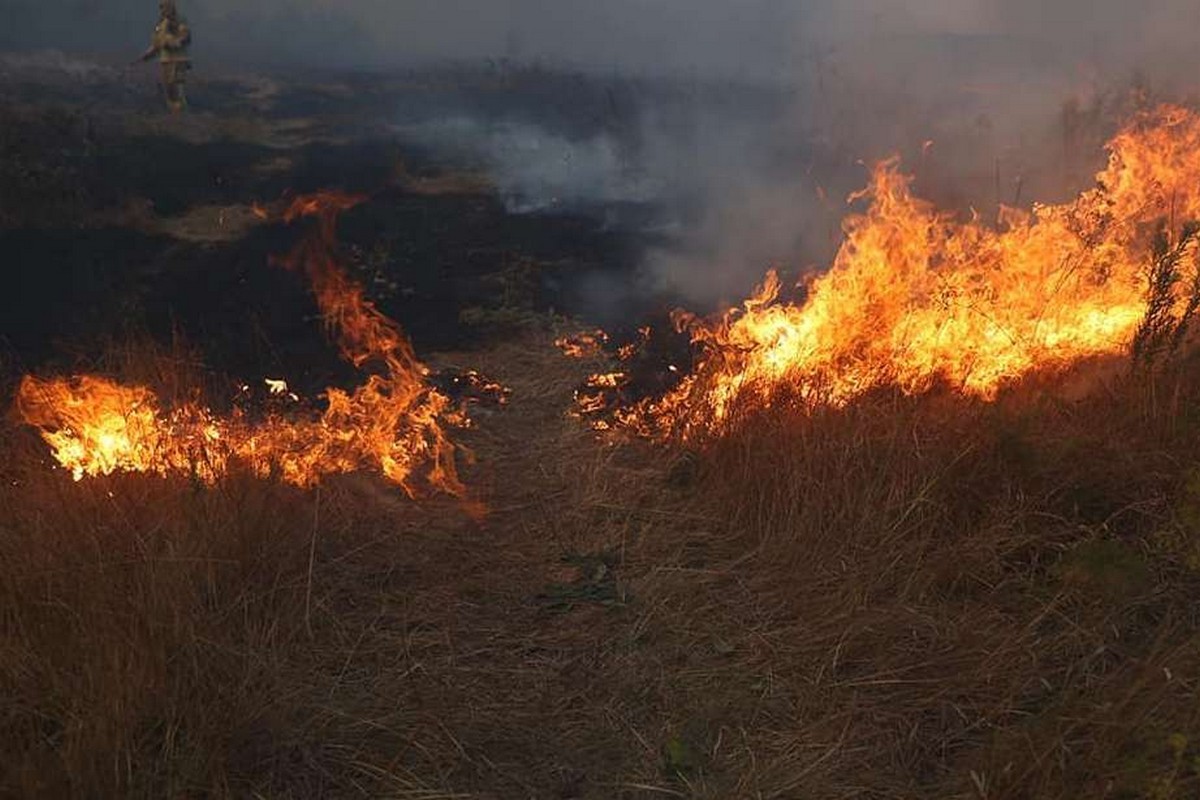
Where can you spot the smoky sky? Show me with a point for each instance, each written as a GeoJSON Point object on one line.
{"type": "Point", "coordinates": [752, 39]}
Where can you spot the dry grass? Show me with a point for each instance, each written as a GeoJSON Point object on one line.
{"type": "Point", "coordinates": [162, 638]}
{"type": "Point", "coordinates": [967, 600]}
{"type": "Point", "coordinates": [909, 598]}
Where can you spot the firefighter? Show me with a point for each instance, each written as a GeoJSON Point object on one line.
{"type": "Point", "coordinates": [170, 42]}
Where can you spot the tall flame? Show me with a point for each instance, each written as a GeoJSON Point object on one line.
{"type": "Point", "coordinates": [392, 423]}
{"type": "Point", "coordinates": [915, 298]}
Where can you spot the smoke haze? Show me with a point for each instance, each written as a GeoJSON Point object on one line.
{"type": "Point", "coordinates": [750, 38]}
{"type": "Point", "coordinates": [973, 94]}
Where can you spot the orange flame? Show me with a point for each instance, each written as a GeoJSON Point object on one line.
{"type": "Point", "coordinates": [916, 299]}
{"type": "Point", "coordinates": [393, 422]}
{"type": "Point", "coordinates": [582, 345]}
{"type": "Point", "coordinates": [97, 427]}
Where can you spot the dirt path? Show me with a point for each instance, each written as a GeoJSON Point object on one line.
{"type": "Point", "coordinates": [504, 657]}
{"type": "Point", "coordinates": [576, 643]}
{"type": "Point", "coordinates": [546, 619]}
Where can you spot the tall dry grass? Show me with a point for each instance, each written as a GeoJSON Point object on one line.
{"type": "Point", "coordinates": [907, 598]}
{"type": "Point", "coordinates": [157, 634]}
{"type": "Point", "coordinates": [246, 639]}
{"type": "Point", "coordinates": [974, 600]}
{"type": "Point", "coordinates": [164, 638]}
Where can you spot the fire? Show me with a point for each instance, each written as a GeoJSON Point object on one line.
{"type": "Point", "coordinates": [97, 427]}
{"type": "Point", "coordinates": [916, 299]}
{"type": "Point", "coordinates": [279, 387]}
{"type": "Point", "coordinates": [393, 423]}
{"type": "Point", "coordinates": [582, 345]}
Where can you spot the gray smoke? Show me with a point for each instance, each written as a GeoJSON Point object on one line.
{"type": "Point", "coordinates": [749, 38]}
{"type": "Point", "coordinates": [988, 101]}
{"type": "Point", "coordinates": [538, 170]}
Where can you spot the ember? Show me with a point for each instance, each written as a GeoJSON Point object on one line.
{"type": "Point", "coordinates": [915, 299]}
{"type": "Point", "coordinates": [471, 387]}
{"type": "Point", "coordinates": [393, 423]}
{"type": "Point", "coordinates": [582, 345]}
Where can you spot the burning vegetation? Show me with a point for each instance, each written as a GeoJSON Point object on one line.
{"type": "Point", "coordinates": [394, 422]}
{"type": "Point", "coordinates": [953, 587]}
{"type": "Point", "coordinates": [916, 299]}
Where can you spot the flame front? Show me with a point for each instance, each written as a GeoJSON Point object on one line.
{"type": "Point", "coordinates": [97, 427]}
{"type": "Point", "coordinates": [392, 423]}
{"type": "Point", "coordinates": [916, 299]}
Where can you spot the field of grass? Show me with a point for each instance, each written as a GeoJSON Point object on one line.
{"type": "Point", "coordinates": [908, 598]}
{"type": "Point", "coordinates": [926, 597]}
{"type": "Point", "coordinates": [979, 601]}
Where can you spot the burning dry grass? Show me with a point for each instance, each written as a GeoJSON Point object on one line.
{"type": "Point", "coordinates": [917, 297]}
{"type": "Point", "coordinates": [911, 592]}
{"type": "Point", "coordinates": [963, 583]}
{"type": "Point", "coordinates": [168, 637]}
{"type": "Point", "coordinates": [905, 597]}
{"type": "Point", "coordinates": [393, 422]}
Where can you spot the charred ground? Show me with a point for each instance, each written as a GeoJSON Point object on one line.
{"type": "Point", "coordinates": [154, 232]}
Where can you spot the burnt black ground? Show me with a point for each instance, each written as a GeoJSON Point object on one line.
{"type": "Point", "coordinates": [69, 289]}
{"type": "Point", "coordinates": [454, 266]}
